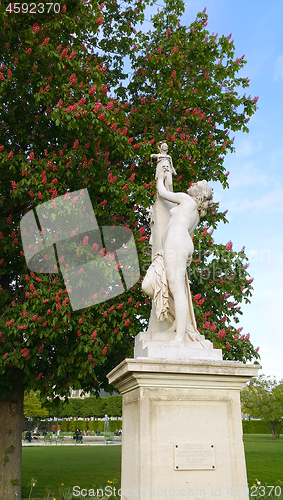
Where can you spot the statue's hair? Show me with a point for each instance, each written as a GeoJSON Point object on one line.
{"type": "Point", "coordinates": [204, 194]}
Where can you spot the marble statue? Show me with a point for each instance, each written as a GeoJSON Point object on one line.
{"type": "Point", "coordinates": [164, 166]}
{"type": "Point", "coordinates": [166, 280]}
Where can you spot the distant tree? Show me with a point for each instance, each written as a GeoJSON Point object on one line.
{"type": "Point", "coordinates": [88, 407]}
{"type": "Point", "coordinates": [33, 406]}
{"type": "Point", "coordinates": [263, 399]}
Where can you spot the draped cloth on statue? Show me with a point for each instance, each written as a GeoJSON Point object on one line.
{"type": "Point", "coordinates": [156, 274]}
{"type": "Point", "coordinates": [163, 301]}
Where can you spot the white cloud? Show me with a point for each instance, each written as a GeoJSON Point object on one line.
{"type": "Point", "coordinates": [271, 202]}
{"type": "Point", "coordinates": [246, 147]}
{"type": "Point", "coordinates": [248, 175]}
{"type": "Point", "coordinates": [271, 359]}
{"type": "Point", "coordinates": [279, 68]}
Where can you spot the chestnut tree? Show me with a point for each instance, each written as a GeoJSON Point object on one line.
{"type": "Point", "coordinates": [85, 95]}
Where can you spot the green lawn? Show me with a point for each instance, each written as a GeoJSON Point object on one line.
{"type": "Point", "coordinates": [92, 466]}
{"type": "Point", "coordinates": [264, 458]}
{"type": "Point", "coordinates": [85, 466]}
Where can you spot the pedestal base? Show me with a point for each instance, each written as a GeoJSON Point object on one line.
{"type": "Point", "coordinates": [149, 346]}
{"type": "Point", "coordinates": [182, 429]}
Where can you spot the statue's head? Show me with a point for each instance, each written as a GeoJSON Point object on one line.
{"type": "Point", "coordinates": [162, 146]}
{"type": "Point", "coordinates": [202, 193]}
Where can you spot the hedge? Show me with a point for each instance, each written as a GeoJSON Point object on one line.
{"type": "Point", "coordinates": [89, 407]}
{"type": "Point", "coordinates": [92, 425]}
{"type": "Point", "coordinates": [255, 427]}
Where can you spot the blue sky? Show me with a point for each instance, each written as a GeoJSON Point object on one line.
{"type": "Point", "coordinates": [255, 198]}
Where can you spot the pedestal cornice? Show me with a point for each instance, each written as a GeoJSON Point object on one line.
{"type": "Point", "coordinates": [146, 372]}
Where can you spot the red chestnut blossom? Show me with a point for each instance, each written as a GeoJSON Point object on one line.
{"type": "Point", "coordinates": [35, 28]}
{"type": "Point", "coordinates": [99, 20]}
{"type": "Point", "coordinates": [221, 334]}
{"type": "Point", "coordinates": [73, 79]}
{"type": "Point", "coordinates": [92, 90]}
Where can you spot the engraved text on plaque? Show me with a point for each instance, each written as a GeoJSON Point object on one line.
{"type": "Point", "coordinates": [192, 456]}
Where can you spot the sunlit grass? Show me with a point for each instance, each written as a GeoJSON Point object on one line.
{"type": "Point", "coordinates": [92, 466]}
{"type": "Point", "coordinates": [84, 466]}
{"type": "Point", "coordinates": [264, 458]}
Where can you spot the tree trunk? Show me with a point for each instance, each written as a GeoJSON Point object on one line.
{"type": "Point", "coordinates": [273, 428]}
{"type": "Point", "coordinates": [11, 428]}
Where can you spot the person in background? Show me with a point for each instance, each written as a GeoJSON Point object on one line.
{"type": "Point", "coordinates": [36, 433]}
{"type": "Point", "coordinates": [28, 436]}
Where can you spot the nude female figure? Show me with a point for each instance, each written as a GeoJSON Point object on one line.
{"type": "Point", "coordinates": [178, 247]}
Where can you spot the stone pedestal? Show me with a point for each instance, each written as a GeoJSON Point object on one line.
{"type": "Point", "coordinates": [149, 345]}
{"type": "Point", "coordinates": [182, 428]}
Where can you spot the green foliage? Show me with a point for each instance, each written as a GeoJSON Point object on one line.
{"type": "Point", "coordinates": [89, 407]}
{"type": "Point", "coordinates": [264, 399]}
{"type": "Point", "coordinates": [92, 425]}
{"type": "Point", "coordinates": [32, 406]}
{"type": "Point", "coordinates": [255, 427]}
{"type": "Point", "coordinates": [64, 425]}
{"type": "Point", "coordinates": [71, 119]}
{"type": "Point", "coordinates": [72, 426]}
{"type": "Point", "coordinates": [14, 482]}
{"type": "Point", "coordinates": [9, 450]}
